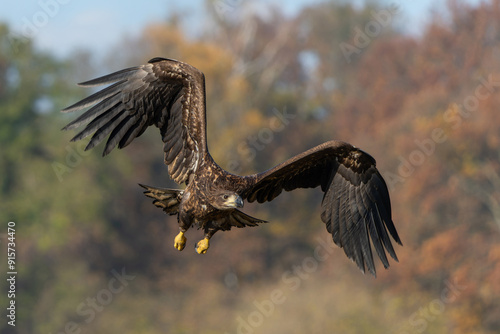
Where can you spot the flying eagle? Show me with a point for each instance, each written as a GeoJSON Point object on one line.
{"type": "Point", "coordinates": [171, 95]}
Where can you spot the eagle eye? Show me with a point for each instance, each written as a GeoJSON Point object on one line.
{"type": "Point", "coordinates": [225, 196]}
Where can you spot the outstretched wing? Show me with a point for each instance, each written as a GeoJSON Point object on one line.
{"type": "Point", "coordinates": [166, 93]}
{"type": "Point", "coordinates": [356, 204]}
{"type": "Point", "coordinates": [237, 218]}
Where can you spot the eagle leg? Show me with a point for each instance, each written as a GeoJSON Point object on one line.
{"type": "Point", "coordinates": [180, 240]}
{"type": "Point", "coordinates": [202, 245]}
{"type": "Point", "coordinates": [184, 221]}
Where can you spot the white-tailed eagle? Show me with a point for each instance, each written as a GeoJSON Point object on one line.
{"type": "Point", "coordinates": [170, 95]}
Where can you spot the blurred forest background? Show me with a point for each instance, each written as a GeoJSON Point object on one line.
{"type": "Point", "coordinates": [426, 107]}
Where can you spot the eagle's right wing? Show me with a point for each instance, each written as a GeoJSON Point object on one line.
{"type": "Point", "coordinates": [166, 93]}
{"type": "Point", "coordinates": [356, 205]}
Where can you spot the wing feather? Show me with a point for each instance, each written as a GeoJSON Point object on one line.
{"type": "Point", "coordinates": [356, 205]}
{"type": "Point", "coordinates": [96, 97]}
{"type": "Point", "coordinates": [110, 78]}
{"type": "Point", "coordinates": [353, 224]}
{"type": "Point", "coordinates": [119, 132]}
{"type": "Point", "coordinates": [344, 215]}
{"type": "Point", "coordinates": [135, 131]}
{"type": "Point", "coordinates": [103, 131]}
{"type": "Point", "coordinates": [237, 219]}
{"type": "Point", "coordinates": [364, 234]}
{"type": "Point", "coordinates": [93, 112]}
{"type": "Point", "coordinates": [166, 93]}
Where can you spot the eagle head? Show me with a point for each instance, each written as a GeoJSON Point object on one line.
{"type": "Point", "coordinates": [226, 200]}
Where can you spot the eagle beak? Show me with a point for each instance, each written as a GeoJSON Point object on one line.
{"type": "Point", "coordinates": [239, 202]}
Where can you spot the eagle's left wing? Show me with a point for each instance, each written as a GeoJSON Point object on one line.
{"type": "Point", "coordinates": [356, 204]}
{"type": "Point", "coordinates": [166, 93]}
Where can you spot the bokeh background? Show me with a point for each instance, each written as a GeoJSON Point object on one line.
{"type": "Point", "coordinates": [416, 86]}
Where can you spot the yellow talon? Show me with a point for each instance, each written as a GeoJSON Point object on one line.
{"type": "Point", "coordinates": [180, 241]}
{"type": "Point", "coordinates": [202, 246]}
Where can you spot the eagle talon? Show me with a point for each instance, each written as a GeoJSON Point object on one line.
{"type": "Point", "coordinates": [202, 246]}
{"type": "Point", "coordinates": [180, 241]}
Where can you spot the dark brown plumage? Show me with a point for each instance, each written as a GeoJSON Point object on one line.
{"type": "Point", "coordinates": [170, 95]}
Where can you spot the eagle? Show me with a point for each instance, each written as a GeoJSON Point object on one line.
{"type": "Point", "coordinates": [170, 95]}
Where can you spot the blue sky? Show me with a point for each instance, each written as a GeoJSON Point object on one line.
{"type": "Point", "coordinates": [97, 25]}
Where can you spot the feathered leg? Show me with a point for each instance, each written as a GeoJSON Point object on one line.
{"type": "Point", "coordinates": [185, 221]}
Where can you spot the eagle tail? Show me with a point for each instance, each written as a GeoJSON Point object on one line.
{"type": "Point", "coordinates": [166, 199]}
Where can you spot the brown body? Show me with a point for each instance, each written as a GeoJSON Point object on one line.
{"type": "Point", "coordinates": [199, 198]}
{"type": "Point", "coordinates": [171, 95]}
